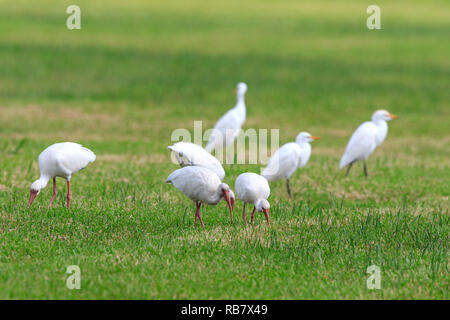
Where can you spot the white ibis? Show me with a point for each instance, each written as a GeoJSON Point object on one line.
{"type": "Point", "coordinates": [202, 186]}
{"type": "Point", "coordinates": [228, 127]}
{"type": "Point", "coordinates": [190, 154]}
{"type": "Point", "coordinates": [60, 160]}
{"type": "Point", "coordinates": [253, 188]}
{"type": "Point", "coordinates": [365, 139]}
{"type": "Point", "coordinates": [291, 156]}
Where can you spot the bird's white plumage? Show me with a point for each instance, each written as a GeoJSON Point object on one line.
{"type": "Point", "coordinates": [229, 125]}
{"type": "Point", "coordinates": [291, 156]}
{"type": "Point", "coordinates": [366, 138]}
{"type": "Point", "coordinates": [190, 154]}
{"type": "Point", "coordinates": [197, 183]}
{"type": "Point", "coordinates": [283, 163]}
{"type": "Point", "coordinates": [62, 160]}
{"type": "Point", "coordinates": [251, 188]}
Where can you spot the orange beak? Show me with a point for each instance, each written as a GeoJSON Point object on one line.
{"type": "Point", "coordinates": [226, 195]}
{"type": "Point", "coordinates": [33, 195]}
{"type": "Point", "coordinates": [393, 116]}
{"type": "Point", "coordinates": [235, 91]}
{"type": "Point", "coordinates": [266, 213]}
{"type": "Point", "coordinates": [315, 137]}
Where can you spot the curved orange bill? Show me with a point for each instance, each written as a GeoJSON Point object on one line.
{"type": "Point", "coordinates": [226, 195]}
{"type": "Point", "coordinates": [33, 195]}
{"type": "Point", "coordinates": [315, 137]}
{"type": "Point", "coordinates": [393, 116]}
{"type": "Point", "coordinates": [235, 90]}
{"type": "Point", "coordinates": [266, 213]}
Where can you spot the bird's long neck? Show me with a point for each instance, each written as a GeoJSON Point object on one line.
{"type": "Point", "coordinates": [304, 145]}
{"type": "Point", "coordinates": [44, 179]}
{"type": "Point", "coordinates": [216, 197]}
{"type": "Point", "coordinates": [382, 127]}
{"type": "Point", "coordinates": [240, 101]}
{"type": "Point", "coordinates": [306, 152]}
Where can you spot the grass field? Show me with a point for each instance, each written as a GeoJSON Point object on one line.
{"type": "Point", "coordinates": [137, 70]}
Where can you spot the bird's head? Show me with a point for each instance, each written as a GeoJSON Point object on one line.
{"type": "Point", "coordinates": [241, 89]}
{"type": "Point", "coordinates": [228, 195]}
{"type": "Point", "coordinates": [262, 206]}
{"type": "Point", "coordinates": [383, 115]}
{"type": "Point", "coordinates": [303, 137]}
{"type": "Point", "coordinates": [34, 190]}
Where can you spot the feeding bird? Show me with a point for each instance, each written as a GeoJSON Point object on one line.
{"type": "Point", "coordinates": [60, 160]}
{"type": "Point", "coordinates": [228, 127]}
{"type": "Point", "coordinates": [286, 160]}
{"type": "Point", "coordinates": [253, 188]}
{"type": "Point", "coordinates": [202, 186]}
{"type": "Point", "coordinates": [190, 154]}
{"type": "Point", "coordinates": [365, 139]}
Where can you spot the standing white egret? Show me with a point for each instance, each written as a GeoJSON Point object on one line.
{"type": "Point", "coordinates": [190, 154]}
{"type": "Point", "coordinates": [253, 188]}
{"type": "Point", "coordinates": [286, 160]}
{"type": "Point", "coordinates": [365, 139]}
{"type": "Point", "coordinates": [227, 128]}
{"type": "Point", "coordinates": [202, 186]}
{"type": "Point", "coordinates": [60, 160]}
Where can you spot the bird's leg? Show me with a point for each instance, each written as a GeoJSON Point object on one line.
{"type": "Point", "coordinates": [199, 216]}
{"type": "Point", "coordinates": [253, 215]}
{"type": "Point", "coordinates": [197, 204]}
{"type": "Point", "coordinates": [54, 192]}
{"type": "Point", "coordinates": [288, 188]}
{"type": "Point", "coordinates": [69, 195]}
{"type": "Point", "coordinates": [348, 168]}
{"type": "Point", "coordinates": [365, 169]}
{"type": "Point", "coordinates": [243, 215]}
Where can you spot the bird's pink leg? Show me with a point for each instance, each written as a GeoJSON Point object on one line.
{"type": "Point", "coordinates": [69, 195]}
{"type": "Point", "coordinates": [199, 216]}
{"type": "Point", "coordinates": [253, 214]}
{"type": "Point", "coordinates": [196, 212]}
{"type": "Point", "coordinates": [54, 192]}
{"type": "Point", "coordinates": [243, 215]}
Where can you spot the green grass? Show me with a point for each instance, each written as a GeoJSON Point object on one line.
{"type": "Point", "coordinates": [137, 70]}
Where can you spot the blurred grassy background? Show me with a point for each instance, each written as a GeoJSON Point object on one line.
{"type": "Point", "coordinates": [137, 70]}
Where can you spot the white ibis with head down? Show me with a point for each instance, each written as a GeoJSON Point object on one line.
{"type": "Point", "coordinates": [60, 160]}
{"type": "Point", "coordinates": [253, 188]}
{"type": "Point", "coordinates": [202, 186]}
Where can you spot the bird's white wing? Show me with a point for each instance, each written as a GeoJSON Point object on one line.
{"type": "Point", "coordinates": [225, 130]}
{"type": "Point", "coordinates": [196, 183]}
{"type": "Point", "coordinates": [251, 187]}
{"type": "Point", "coordinates": [361, 145]}
{"type": "Point", "coordinates": [283, 163]}
{"type": "Point", "coordinates": [190, 154]}
{"type": "Point", "coordinates": [73, 157]}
